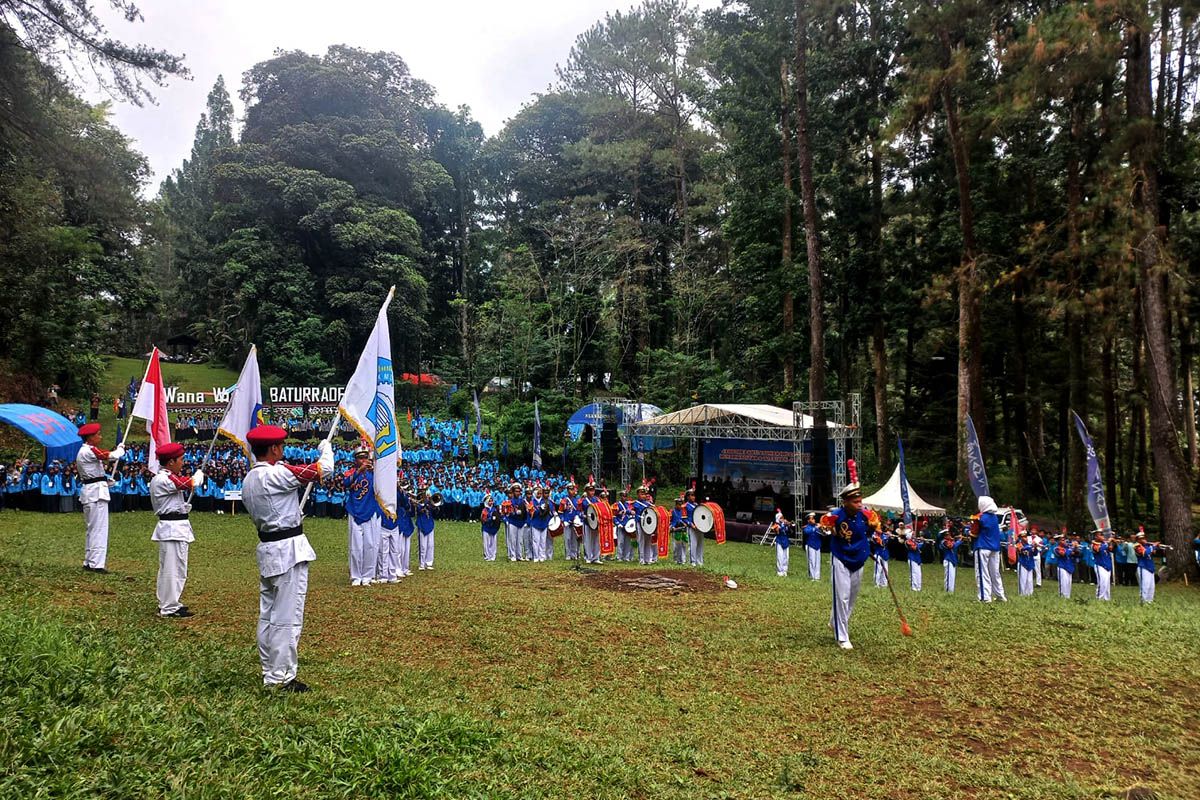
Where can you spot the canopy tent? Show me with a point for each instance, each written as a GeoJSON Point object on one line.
{"type": "Point", "coordinates": [622, 413]}
{"type": "Point", "coordinates": [888, 499]}
{"type": "Point", "coordinates": [50, 429]}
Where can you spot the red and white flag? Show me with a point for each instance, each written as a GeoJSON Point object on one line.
{"type": "Point", "coordinates": [151, 405]}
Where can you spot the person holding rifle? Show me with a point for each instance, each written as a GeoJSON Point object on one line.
{"type": "Point", "coordinates": [90, 464]}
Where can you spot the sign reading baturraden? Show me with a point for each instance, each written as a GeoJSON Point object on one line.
{"type": "Point", "coordinates": [278, 394]}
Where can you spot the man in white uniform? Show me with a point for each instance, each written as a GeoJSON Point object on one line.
{"type": "Point", "coordinates": [90, 464]}
{"type": "Point", "coordinates": [168, 496]}
{"type": "Point", "coordinates": [271, 496]}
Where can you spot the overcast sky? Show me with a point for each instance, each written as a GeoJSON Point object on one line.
{"type": "Point", "coordinates": [492, 56]}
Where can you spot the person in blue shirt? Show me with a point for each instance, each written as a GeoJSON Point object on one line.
{"type": "Point", "coordinates": [880, 540]}
{"type": "Point", "coordinates": [849, 545]}
{"type": "Point", "coordinates": [812, 546]}
{"type": "Point", "coordinates": [912, 547]}
{"type": "Point", "coordinates": [1102, 555]}
{"type": "Point", "coordinates": [987, 552]}
{"type": "Point", "coordinates": [406, 511]}
{"type": "Point", "coordinates": [425, 525]}
{"type": "Point", "coordinates": [362, 511]}
{"type": "Point", "coordinates": [695, 537]}
{"type": "Point", "coordinates": [1028, 556]}
{"type": "Point", "coordinates": [1147, 573]}
{"type": "Point", "coordinates": [679, 532]}
{"type": "Point", "coordinates": [68, 489]}
{"type": "Point", "coordinates": [320, 497]}
{"type": "Point", "coordinates": [783, 543]}
{"type": "Point", "coordinates": [949, 549]}
{"type": "Point", "coordinates": [622, 517]}
{"type": "Point", "coordinates": [647, 551]}
{"type": "Point", "coordinates": [489, 520]}
{"type": "Point", "coordinates": [1066, 555]}
{"type": "Point", "coordinates": [543, 543]}
{"type": "Point", "coordinates": [387, 561]}
{"type": "Point", "coordinates": [51, 488]}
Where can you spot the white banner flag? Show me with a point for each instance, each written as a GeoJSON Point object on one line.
{"type": "Point", "coordinates": [245, 404]}
{"type": "Point", "coordinates": [370, 406]}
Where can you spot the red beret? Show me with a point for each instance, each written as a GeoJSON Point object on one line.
{"type": "Point", "coordinates": [168, 451]}
{"type": "Point", "coordinates": [266, 434]}
{"type": "Point", "coordinates": [87, 430]}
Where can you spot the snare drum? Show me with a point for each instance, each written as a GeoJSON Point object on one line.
{"type": "Point", "coordinates": [555, 525]}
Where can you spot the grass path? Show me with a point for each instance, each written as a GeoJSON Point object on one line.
{"type": "Point", "coordinates": [499, 680]}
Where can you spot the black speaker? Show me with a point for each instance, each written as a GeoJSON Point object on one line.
{"type": "Point", "coordinates": [610, 450]}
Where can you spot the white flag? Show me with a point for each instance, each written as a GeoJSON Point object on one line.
{"type": "Point", "coordinates": [370, 406]}
{"type": "Point", "coordinates": [245, 405]}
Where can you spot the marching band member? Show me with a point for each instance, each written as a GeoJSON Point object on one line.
{"type": "Point", "coordinates": [93, 494]}
{"type": "Point", "coordinates": [695, 537]}
{"type": "Point", "coordinates": [949, 547]}
{"type": "Point", "coordinates": [1102, 551]}
{"type": "Point", "coordinates": [568, 510]}
{"type": "Point", "coordinates": [527, 553]}
{"type": "Point", "coordinates": [1028, 556]}
{"type": "Point", "coordinates": [406, 511]}
{"type": "Point", "coordinates": [987, 552]}
{"type": "Point", "coordinates": [622, 516]}
{"type": "Point", "coordinates": [539, 518]}
{"type": "Point", "coordinates": [879, 554]}
{"type": "Point", "coordinates": [425, 524]}
{"type": "Point", "coordinates": [173, 532]}
{"type": "Point", "coordinates": [782, 544]}
{"type": "Point", "coordinates": [387, 562]}
{"type": "Point", "coordinates": [361, 511]}
{"type": "Point", "coordinates": [912, 545]}
{"type": "Point", "coordinates": [1039, 546]}
{"type": "Point", "coordinates": [1067, 552]}
{"type": "Point", "coordinates": [850, 547]}
{"type": "Point", "coordinates": [489, 520]}
{"type": "Point", "coordinates": [1146, 572]}
{"type": "Point", "coordinates": [271, 496]}
{"type": "Point", "coordinates": [513, 512]}
{"type": "Point", "coordinates": [591, 537]}
{"type": "Point", "coordinates": [647, 552]}
{"type": "Point", "coordinates": [679, 532]}
{"type": "Point", "coordinates": [812, 546]}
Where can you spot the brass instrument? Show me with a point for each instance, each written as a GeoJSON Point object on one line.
{"type": "Point", "coordinates": [435, 499]}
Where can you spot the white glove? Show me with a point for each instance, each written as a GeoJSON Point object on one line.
{"type": "Point", "coordinates": [325, 462]}
{"type": "Point", "coordinates": [197, 479]}
{"type": "Point", "coordinates": [117, 453]}
{"type": "Point", "coordinates": [187, 508]}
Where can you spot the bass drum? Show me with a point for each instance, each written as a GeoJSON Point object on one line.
{"type": "Point", "coordinates": [648, 521]}
{"type": "Point", "coordinates": [599, 515]}
{"type": "Point", "coordinates": [703, 519]}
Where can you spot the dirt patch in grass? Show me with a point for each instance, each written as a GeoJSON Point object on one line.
{"type": "Point", "coordinates": [673, 582]}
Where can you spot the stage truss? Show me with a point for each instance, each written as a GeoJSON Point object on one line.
{"type": "Point", "coordinates": [844, 435]}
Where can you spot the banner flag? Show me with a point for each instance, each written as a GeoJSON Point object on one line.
{"type": "Point", "coordinates": [370, 406]}
{"type": "Point", "coordinates": [245, 405]}
{"type": "Point", "coordinates": [537, 437]}
{"type": "Point", "coordinates": [151, 405]}
{"type": "Point", "coordinates": [904, 485]}
{"type": "Point", "coordinates": [1095, 481]}
{"type": "Point", "coordinates": [975, 469]}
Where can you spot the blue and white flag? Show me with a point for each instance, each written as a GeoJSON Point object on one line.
{"type": "Point", "coordinates": [245, 405]}
{"type": "Point", "coordinates": [1095, 482]}
{"type": "Point", "coordinates": [975, 470]}
{"type": "Point", "coordinates": [904, 485]}
{"type": "Point", "coordinates": [370, 406]}
{"type": "Point", "coordinates": [537, 437]}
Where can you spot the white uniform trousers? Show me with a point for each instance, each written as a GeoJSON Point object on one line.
{"type": "Point", "coordinates": [846, 584]}
{"type": "Point", "coordinates": [1037, 570]}
{"type": "Point", "coordinates": [647, 549]}
{"type": "Point", "coordinates": [387, 562]}
{"type": "Point", "coordinates": [814, 563]}
{"type": "Point", "coordinates": [625, 551]}
{"type": "Point", "coordinates": [172, 575]}
{"type": "Point", "coordinates": [1103, 583]}
{"type": "Point", "coordinates": [1146, 584]}
{"type": "Point", "coordinates": [570, 543]}
{"type": "Point", "coordinates": [280, 620]}
{"type": "Point", "coordinates": [591, 545]}
{"type": "Point", "coordinates": [950, 574]}
{"type": "Point", "coordinates": [489, 545]}
{"type": "Point", "coordinates": [512, 540]}
{"type": "Point", "coordinates": [95, 547]}
{"type": "Point", "coordinates": [1025, 578]}
{"type": "Point", "coordinates": [526, 543]}
{"type": "Point", "coordinates": [679, 551]}
{"type": "Point", "coordinates": [1064, 583]}
{"type": "Point", "coordinates": [403, 553]}
{"type": "Point", "coordinates": [695, 547]}
{"type": "Point", "coordinates": [548, 547]}
{"type": "Point", "coordinates": [426, 549]}
{"type": "Point", "coordinates": [914, 576]}
{"type": "Point", "coordinates": [363, 547]}
{"type": "Point", "coordinates": [987, 575]}
{"type": "Point", "coordinates": [881, 572]}
{"type": "Point", "coordinates": [781, 560]}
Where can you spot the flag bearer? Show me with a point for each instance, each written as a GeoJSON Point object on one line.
{"type": "Point", "coordinates": [168, 495]}
{"type": "Point", "coordinates": [90, 464]}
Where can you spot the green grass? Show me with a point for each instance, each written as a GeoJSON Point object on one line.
{"type": "Point", "coordinates": [499, 680]}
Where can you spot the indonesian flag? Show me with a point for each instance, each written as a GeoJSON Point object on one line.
{"type": "Point", "coordinates": [151, 405]}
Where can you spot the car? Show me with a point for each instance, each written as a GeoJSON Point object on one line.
{"type": "Point", "coordinates": [1006, 518]}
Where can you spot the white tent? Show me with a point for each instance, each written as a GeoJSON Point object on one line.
{"type": "Point", "coordinates": [888, 499]}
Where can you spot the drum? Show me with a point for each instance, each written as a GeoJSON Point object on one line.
{"type": "Point", "coordinates": [648, 521]}
{"type": "Point", "coordinates": [593, 516]}
{"type": "Point", "coordinates": [713, 517]}
{"type": "Point", "coordinates": [555, 525]}
{"type": "Point", "coordinates": [631, 526]}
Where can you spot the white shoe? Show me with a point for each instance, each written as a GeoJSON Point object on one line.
{"type": "Point", "coordinates": [430, 568]}
{"type": "Point", "coordinates": [367, 582]}
{"type": "Point", "coordinates": [845, 645]}
{"type": "Point", "coordinates": [356, 582]}
{"type": "Point", "coordinates": [422, 566]}
{"type": "Point", "coordinates": [393, 580]}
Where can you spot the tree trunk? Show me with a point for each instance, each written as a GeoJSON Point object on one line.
{"type": "Point", "coordinates": [878, 338]}
{"type": "Point", "coordinates": [1187, 349]}
{"type": "Point", "coordinates": [789, 311]}
{"type": "Point", "coordinates": [1076, 462]}
{"type": "Point", "coordinates": [1171, 472]}
{"type": "Point", "coordinates": [1112, 430]}
{"type": "Point", "coordinates": [1021, 392]}
{"type": "Point", "coordinates": [812, 241]}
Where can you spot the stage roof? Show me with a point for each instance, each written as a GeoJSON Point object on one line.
{"type": "Point", "coordinates": [729, 420]}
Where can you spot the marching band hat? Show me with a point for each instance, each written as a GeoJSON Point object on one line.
{"type": "Point", "coordinates": [266, 435]}
{"type": "Point", "coordinates": [88, 429]}
{"type": "Point", "coordinates": [362, 452]}
{"type": "Point", "coordinates": [1141, 534]}
{"type": "Point", "coordinates": [851, 490]}
{"type": "Point", "coordinates": [811, 515]}
{"type": "Point", "coordinates": [168, 451]}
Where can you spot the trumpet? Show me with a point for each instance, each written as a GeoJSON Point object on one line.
{"type": "Point", "coordinates": [435, 499]}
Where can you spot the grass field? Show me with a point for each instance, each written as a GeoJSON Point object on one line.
{"type": "Point", "coordinates": [526, 680]}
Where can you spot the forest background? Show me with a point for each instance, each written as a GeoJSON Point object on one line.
{"type": "Point", "coordinates": [948, 207]}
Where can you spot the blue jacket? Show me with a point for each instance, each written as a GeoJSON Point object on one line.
{"type": "Point", "coordinates": [853, 553]}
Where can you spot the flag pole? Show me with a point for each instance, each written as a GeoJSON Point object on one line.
{"type": "Point", "coordinates": [212, 445]}
{"type": "Point", "coordinates": [129, 424]}
{"type": "Point", "coordinates": [337, 418]}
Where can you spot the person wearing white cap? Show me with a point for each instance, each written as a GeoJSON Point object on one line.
{"type": "Point", "coordinates": [850, 547]}
{"type": "Point", "coordinates": [987, 552]}
{"type": "Point", "coordinates": [591, 536]}
{"type": "Point", "coordinates": [1102, 550]}
{"type": "Point", "coordinates": [912, 546]}
{"type": "Point", "coordinates": [1146, 572]}
{"type": "Point", "coordinates": [362, 513]}
{"type": "Point", "coordinates": [812, 546]}
{"type": "Point", "coordinates": [783, 544]}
